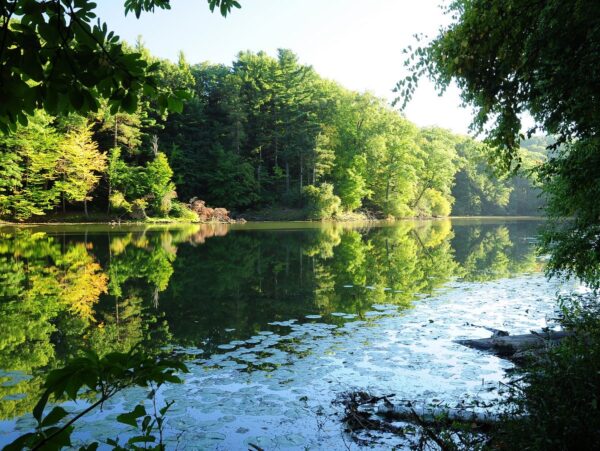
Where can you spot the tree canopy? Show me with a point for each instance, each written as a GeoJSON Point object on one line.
{"type": "Point", "coordinates": [53, 47]}
{"type": "Point", "coordinates": [514, 57]}
{"type": "Point", "coordinates": [264, 133]}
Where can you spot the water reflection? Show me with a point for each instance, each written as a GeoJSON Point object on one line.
{"type": "Point", "coordinates": [63, 289]}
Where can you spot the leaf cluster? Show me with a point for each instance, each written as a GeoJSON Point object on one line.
{"type": "Point", "coordinates": [49, 48]}
{"type": "Point", "coordinates": [101, 378]}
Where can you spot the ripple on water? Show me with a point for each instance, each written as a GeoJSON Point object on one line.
{"type": "Point", "coordinates": [263, 390]}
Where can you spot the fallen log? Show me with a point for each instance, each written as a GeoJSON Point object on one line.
{"type": "Point", "coordinates": [430, 414]}
{"type": "Point", "coordinates": [510, 346]}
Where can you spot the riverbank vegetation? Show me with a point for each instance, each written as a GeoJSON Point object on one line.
{"type": "Point", "coordinates": [510, 58]}
{"type": "Point", "coordinates": [268, 132]}
{"type": "Point", "coordinates": [264, 134]}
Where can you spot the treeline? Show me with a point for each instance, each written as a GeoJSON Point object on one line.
{"type": "Point", "coordinates": [265, 132]}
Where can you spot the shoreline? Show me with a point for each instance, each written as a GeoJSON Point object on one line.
{"type": "Point", "coordinates": [238, 222]}
{"type": "Point", "coordinates": [266, 221]}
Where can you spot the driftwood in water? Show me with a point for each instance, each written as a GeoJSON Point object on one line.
{"type": "Point", "coordinates": [516, 347]}
{"type": "Point", "coordinates": [432, 414]}
{"type": "Point", "coordinates": [366, 413]}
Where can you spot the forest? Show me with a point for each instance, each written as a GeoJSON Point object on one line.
{"type": "Point", "coordinates": [94, 129]}
{"type": "Point", "coordinates": [266, 137]}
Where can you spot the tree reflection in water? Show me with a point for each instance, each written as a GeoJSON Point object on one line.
{"type": "Point", "coordinates": [65, 289]}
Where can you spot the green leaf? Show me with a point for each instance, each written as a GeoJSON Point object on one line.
{"type": "Point", "coordinates": [129, 103]}
{"type": "Point", "coordinates": [130, 418]}
{"type": "Point", "coordinates": [59, 441]}
{"type": "Point", "coordinates": [23, 442]}
{"type": "Point", "coordinates": [141, 439]}
{"type": "Point", "coordinates": [146, 422]}
{"type": "Point", "coordinates": [166, 407]}
{"type": "Point", "coordinates": [175, 104]}
{"type": "Point", "coordinates": [39, 407]}
{"type": "Point", "coordinates": [55, 415]}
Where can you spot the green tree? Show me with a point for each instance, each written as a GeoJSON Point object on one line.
{"type": "Point", "coordinates": [478, 190]}
{"type": "Point", "coordinates": [394, 168]}
{"type": "Point", "coordinates": [436, 174]}
{"type": "Point", "coordinates": [53, 47]}
{"type": "Point", "coordinates": [512, 57]}
{"type": "Point", "coordinates": [321, 202]}
{"type": "Point", "coordinates": [28, 161]}
{"type": "Point", "coordinates": [160, 187]}
{"type": "Point", "coordinates": [79, 165]}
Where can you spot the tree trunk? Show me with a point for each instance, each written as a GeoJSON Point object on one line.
{"type": "Point", "coordinates": [109, 194]}
{"type": "Point", "coordinates": [276, 148]}
{"type": "Point", "coordinates": [85, 209]}
{"type": "Point", "coordinates": [237, 136]}
{"type": "Point", "coordinates": [116, 134]}
{"type": "Point", "coordinates": [387, 191]}
{"type": "Point", "coordinates": [416, 202]}
{"type": "Point", "coordinates": [431, 415]}
{"type": "Point", "coordinates": [301, 172]}
{"type": "Point", "coordinates": [513, 347]}
{"type": "Point", "coordinates": [258, 168]}
{"type": "Point", "coordinates": [62, 196]}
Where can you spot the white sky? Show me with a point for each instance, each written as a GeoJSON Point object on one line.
{"type": "Point", "coordinates": [355, 42]}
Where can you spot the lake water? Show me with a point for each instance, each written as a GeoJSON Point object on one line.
{"type": "Point", "coordinates": [275, 320]}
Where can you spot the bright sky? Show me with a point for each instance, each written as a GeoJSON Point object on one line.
{"type": "Point", "coordinates": [355, 42]}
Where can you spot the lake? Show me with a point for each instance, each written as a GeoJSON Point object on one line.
{"type": "Point", "coordinates": [275, 320]}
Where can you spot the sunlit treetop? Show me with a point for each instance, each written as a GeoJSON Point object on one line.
{"type": "Point", "coordinates": [513, 56]}
{"type": "Point", "coordinates": [57, 56]}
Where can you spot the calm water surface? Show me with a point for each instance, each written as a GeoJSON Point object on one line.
{"type": "Point", "coordinates": [275, 319]}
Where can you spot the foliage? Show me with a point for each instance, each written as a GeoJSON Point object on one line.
{"type": "Point", "coordinates": [28, 161]}
{"type": "Point", "coordinates": [435, 203]}
{"type": "Point", "coordinates": [322, 203]}
{"type": "Point", "coordinates": [79, 164]}
{"type": "Point", "coordinates": [182, 211]}
{"type": "Point", "coordinates": [513, 57]}
{"type": "Point", "coordinates": [573, 237]}
{"type": "Point", "coordinates": [478, 190]}
{"type": "Point", "coordinates": [53, 47]}
{"type": "Point", "coordinates": [101, 378]}
{"type": "Point", "coordinates": [560, 391]}
{"type": "Point", "coordinates": [160, 188]}
{"type": "Point", "coordinates": [527, 62]}
{"type": "Point", "coordinates": [436, 175]}
{"type": "Point", "coordinates": [118, 203]}
{"type": "Point", "coordinates": [253, 136]}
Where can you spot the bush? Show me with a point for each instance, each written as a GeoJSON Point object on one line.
{"type": "Point", "coordinates": [138, 209]}
{"type": "Point", "coordinates": [166, 203]}
{"type": "Point", "coordinates": [560, 392]}
{"type": "Point", "coordinates": [181, 211]}
{"type": "Point", "coordinates": [397, 208]}
{"type": "Point", "coordinates": [321, 202]}
{"type": "Point", "coordinates": [118, 202]}
{"type": "Point", "coordinates": [435, 204]}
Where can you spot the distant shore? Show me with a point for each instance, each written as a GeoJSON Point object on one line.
{"type": "Point", "coordinates": [278, 216]}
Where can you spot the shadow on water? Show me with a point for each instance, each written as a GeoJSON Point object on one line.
{"type": "Point", "coordinates": [66, 288]}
